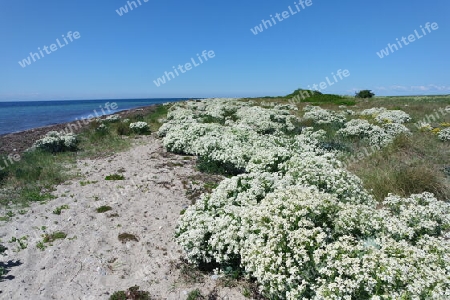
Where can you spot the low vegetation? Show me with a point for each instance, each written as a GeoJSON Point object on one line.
{"type": "Point", "coordinates": [132, 293]}
{"type": "Point", "coordinates": [295, 218]}
{"type": "Point", "coordinates": [103, 209]}
{"type": "Point", "coordinates": [58, 235]}
{"type": "Point", "coordinates": [323, 196]}
{"type": "Point", "coordinates": [59, 209]}
{"type": "Point", "coordinates": [115, 177]}
{"type": "Point", "coordinates": [52, 159]}
{"type": "Point", "coordinates": [364, 94]}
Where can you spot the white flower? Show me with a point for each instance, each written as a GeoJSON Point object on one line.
{"type": "Point", "coordinates": [374, 134]}
{"type": "Point", "coordinates": [444, 134]}
{"type": "Point", "coordinates": [393, 116]}
{"type": "Point", "coordinates": [55, 141]}
{"type": "Point", "coordinates": [322, 116]}
{"type": "Point", "coordinates": [139, 127]}
{"type": "Point", "coordinates": [295, 219]}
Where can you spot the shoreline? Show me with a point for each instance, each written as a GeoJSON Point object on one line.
{"type": "Point", "coordinates": [18, 142]}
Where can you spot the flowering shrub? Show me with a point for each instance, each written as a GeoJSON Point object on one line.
{"type": "Point", "coordinates": [394, 129]}
{"type": "Point", "coordinates": [139, 127]}
{"type": "Point", "coordinates": [374, 134]}
{"type": "Point", "coordinates": [362, 129]}
{"type": "Point", "coordinates": [322, 116]}
{"type": "Point", "coordinates": [55, 141]}
{"type": "Point", "coordinates": [444, 134]}
{"type": "Point", "coordinates": [393, 116]}
{"type": "Point", "coordinates": [327, 174]}
{"type": "Point", "coordinates": [382, 115]}
{"type": "Point", "coordinates": [296, 220]}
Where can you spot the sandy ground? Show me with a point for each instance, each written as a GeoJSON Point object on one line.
{"type": "Point", "coordinates": [91, 262]}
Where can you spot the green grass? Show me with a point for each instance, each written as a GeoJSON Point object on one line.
{"type": "Point", "coordinates": [115, 177]}
{"type": "Point", "coordinates": [84, 183]}
{"type": "Point", "coordinates": [103, 209]}
{"type": "Point", "coordinates": [21, 242]}
{"type": "Point", "coordinates": [153, 118]}
{"type": "Point", "coordinates": [195, 295]}
{"type": "Point", "coordinates": [409, 165]}
{"type": "Point", "coordinates": [40, 245]}
{"type": "Point", "coordinates": [33, 177]}
{"type": "Point", "coordinates": [132, 293]}
{"type": "Point", "coordinates": [58, 210]}
{"type": "Point", "coordinates": [48, 238]}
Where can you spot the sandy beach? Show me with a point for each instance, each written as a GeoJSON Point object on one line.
{"type": "Point", "coordinates": [91, 262]}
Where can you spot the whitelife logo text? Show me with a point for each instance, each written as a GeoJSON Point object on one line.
{"type": "Point", "coordinates": [49, 50]}
{"type": "Point", "coordinates": [411, 38]}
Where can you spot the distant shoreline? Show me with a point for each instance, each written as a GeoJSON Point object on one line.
{"type": "Point", "coordinates": [18, 142]}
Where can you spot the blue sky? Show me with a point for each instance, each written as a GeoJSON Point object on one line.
{"type": "Point", "coordinates": [121, 56]}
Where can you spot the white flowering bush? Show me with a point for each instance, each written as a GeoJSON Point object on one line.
{"type": "Point", "coordinates": [55, 141]}
{"type": "Point", "coordinates": [327, 174]}
{"type": "Point", "coordinates": [383, 115]}
{"type": "Point", "coordinates": [393, 116]}
{"type": "Point", "coordinates": [322, 116]}
{"type": "Point", "coordinates": [139, 127]}
{"type": "Point", "coordinates": [362, 129]}
{"type": "Point", "coordinates": [211, 229]}
{"type": "Point", "coordinates": [395, 129]}
{"type": "Point", "coordinates": [294, 218]}
{"type": "Point", "coordinates": [375, 135]}
{"type": "Point", "coordinates": [444, 134]}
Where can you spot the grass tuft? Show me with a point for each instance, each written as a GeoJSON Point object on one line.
{"type": "Point", "coordinates": [103, 209]}
{"type": "Point", "coordinates": [115, 177]}
{"type": "Point", "coordinates": [48, 238]}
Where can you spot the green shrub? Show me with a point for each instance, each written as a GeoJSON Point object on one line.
{"type": "Point", "coordinates": [210, 166]}
{"type": "Point", "coordinates": [364, 94]}
{"type": "Point", "coordinates": [3, 175]}
{"type": "Point", "coordinates": [139, 127]}
{"type": "Point", "coordinates": [123, 129]}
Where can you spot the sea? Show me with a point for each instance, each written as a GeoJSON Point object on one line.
{"type": "Point", "coordinates": [22, 115]}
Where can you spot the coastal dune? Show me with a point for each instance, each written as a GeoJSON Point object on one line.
{"type": "Point", "coordinates": [92, 262]}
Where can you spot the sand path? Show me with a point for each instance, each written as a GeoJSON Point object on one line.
{"type": "Point", "coordinates": [91, 262]}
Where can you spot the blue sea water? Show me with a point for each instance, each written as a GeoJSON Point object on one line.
{"type": "Point", "coordinates": [23, 115]}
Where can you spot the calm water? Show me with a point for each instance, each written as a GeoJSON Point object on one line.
{"type": "Point", "coordinates": [23, 115]}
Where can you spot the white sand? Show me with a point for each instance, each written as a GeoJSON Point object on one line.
{"type": "Point", "coordinates": [91, 263]}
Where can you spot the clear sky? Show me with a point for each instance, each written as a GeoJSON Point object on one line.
{"type": "Point", "coordinates": [121, 56]}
